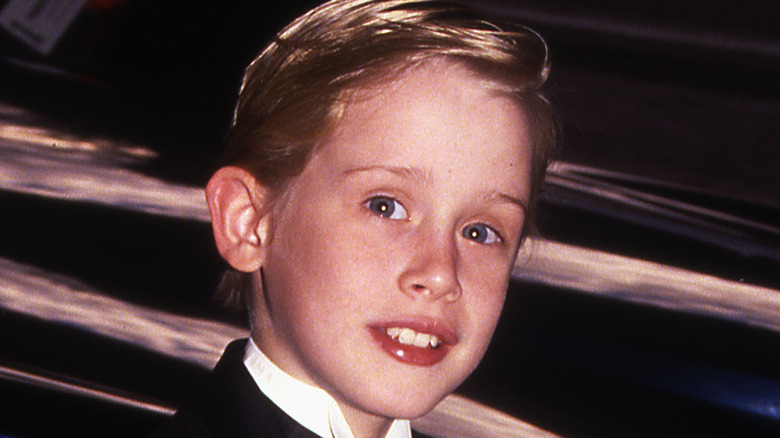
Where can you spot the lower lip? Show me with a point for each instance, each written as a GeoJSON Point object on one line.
{"type": "Point", "coordinates": [409, 354]}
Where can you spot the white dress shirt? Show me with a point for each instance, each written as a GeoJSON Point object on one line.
{"type": "Point", "coordinates": [310, 406]}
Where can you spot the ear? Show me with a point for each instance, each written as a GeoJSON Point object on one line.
{"type": "Point", "coordinates": [239, 207]}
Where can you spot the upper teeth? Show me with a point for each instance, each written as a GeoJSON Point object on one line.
{"type": "Point", "coordinates": [410, 337]}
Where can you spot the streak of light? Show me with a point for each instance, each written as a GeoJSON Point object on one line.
{"type": "Point", "coordinates": [459, 417]}
{"type": "Point", "coordinates": [37, 159]}
{"type": "Point", "coordinates": [31, 291]}
{"type": "Point", "coordinates": [591, 181]}
{"type": "Point", "coordinates": [18, 125]}
{"type": "Point", "coordinates": [692, 39]}
{"type": "Point", "coordinates": [43, 137]}
{"type": "Point", "coordinates": [82, 390]}
{"type": "Point", "coordinates": [640, 281]}
{"type": "Point", "coordinates": [76, 175]}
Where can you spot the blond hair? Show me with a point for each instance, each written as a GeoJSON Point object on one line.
{"type": "Point", "coordinates": [292, 95]}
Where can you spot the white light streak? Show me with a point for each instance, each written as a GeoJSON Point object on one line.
{"type": "Point", "coordinates": [18, 125]}
{"type": "Point", "coordinates": [459, 417]}
{"type": "Point", "coordinates": [56, 298]}
{"type": "Point", "coordinates": [41, 161]}
{"type": "Point", "coordinates": [591, 271]}
{"type": "Point", "coordinates": [82, 390]}
{"type": "Point", "coordinates": [66, 175]}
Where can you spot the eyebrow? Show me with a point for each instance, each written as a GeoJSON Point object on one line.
{"type": "Point", "coordinates": [412, 173]}
{"type": "Point", "coordinates": [510, 200]}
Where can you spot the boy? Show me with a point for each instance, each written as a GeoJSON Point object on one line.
{"type": "Point", "coordinates": [378, 180]}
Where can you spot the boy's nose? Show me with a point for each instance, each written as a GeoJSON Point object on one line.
{"type": "Point", "coordinates": [432, 272]}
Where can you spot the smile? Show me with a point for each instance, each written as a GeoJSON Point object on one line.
{"type": "Point", "coordinates": [408, 336]}
{"type": "Point", "coordinates": [419, 342]}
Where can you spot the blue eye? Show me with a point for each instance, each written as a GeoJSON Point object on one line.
{"type": "Point", "coordinates": [481, 233]}
{"type": "Point", "coordinates": [386, 207]}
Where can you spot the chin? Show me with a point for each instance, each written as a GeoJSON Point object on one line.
{"type": "Point", "coordinates": [417, 411]}
{"type": "Point", "coordinates": [407, 407]}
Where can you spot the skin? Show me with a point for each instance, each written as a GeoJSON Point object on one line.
{"type": "Point", "coordinates": [409, 215]}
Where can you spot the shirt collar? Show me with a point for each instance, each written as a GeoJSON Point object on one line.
{"type": "Point", "coordinates": [310, 406]}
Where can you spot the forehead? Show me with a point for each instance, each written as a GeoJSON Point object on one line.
{"type": "Point", "coordinates": [438, 116]}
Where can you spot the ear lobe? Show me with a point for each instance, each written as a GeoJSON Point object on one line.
{"type": "Point", "coordinates": [239, 217]}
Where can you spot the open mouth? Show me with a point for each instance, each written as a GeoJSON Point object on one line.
{"type": "Point", "coordinates": [422, 344]}
{"type": "Point", "coordinates": [408, 336]}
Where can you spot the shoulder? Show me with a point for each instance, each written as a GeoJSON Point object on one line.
{"type": "Point", "coordinates": [194, 420]}
{"type": "Point", "coordinates": [231, 405]}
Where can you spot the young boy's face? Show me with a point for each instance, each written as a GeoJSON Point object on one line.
{"type": "Point", "coordinates": [388, 257]}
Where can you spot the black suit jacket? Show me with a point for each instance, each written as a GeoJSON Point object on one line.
{"type": "Point", "coordinates": [231, 406]}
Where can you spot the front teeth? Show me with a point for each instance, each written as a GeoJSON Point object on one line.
{"type": "Point", "coordinates": [408, 336]}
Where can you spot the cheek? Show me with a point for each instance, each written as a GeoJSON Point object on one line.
{"type": "Point", "coordinates": [485, 301]}
{"type": "Point", "coordinates": [321, 264]}
{"type": "Point", "coordinates": [486, 310]}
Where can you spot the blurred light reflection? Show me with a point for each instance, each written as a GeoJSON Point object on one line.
{"type": "Point", "coordinates": [81, 389]}
{"type": "Point", "coordinates": [56, 298]}
{"type": "Point", "coordinates": [458, 416]}
{"type": "Point", "coordinates": [23, 126]}
{"type": "Point", "coordinates": [640, 281]}
{"type": "Point", "coordinates": [42, 161]}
